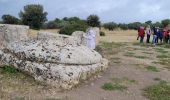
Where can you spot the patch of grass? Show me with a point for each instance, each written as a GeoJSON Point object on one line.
{"type": "Point", "coordinates": [157, 79]}
{"type": "Point", "coordinates": [115, 60]}
{"type": "Point", "coordinates": [99, 49]}
{"type": "Point", "coordinates": [147, 53]}
{"type": "Point", "coordinates": [152, 68]}
{"type": "Point", "coordinates": [143, 44]}
{"type": "Point", "coordinates": [162, 56]}
{"type": "Point", "coordinates": [167, 46]}
{"type": "Point", "coordinates": [161, 50]}
{"type": "Point", "coordinates": [124, 81]}
{"type": "Point", "coordinates": [111, 87]}
{"type": "Point", "coordinates": [160, 91]}
{"type": "Point", "coordinates": [9, 69]}
{"type": "Point", "coordinates": [165, 62]}
{"type": "Point", "coordinates": [141, 57]}
{"type": "Point", "coordinates": [111, 45]}
{"type": "Point", "coordinates": [129, 54]}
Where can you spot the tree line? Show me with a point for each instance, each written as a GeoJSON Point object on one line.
{"type": "Point", "coordinates": [34, 16]}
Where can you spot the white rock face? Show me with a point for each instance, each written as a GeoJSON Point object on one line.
{"type": "Point", "coordinates": [58, 60]}
{"type": "Point", "coordinates": [11, 33]}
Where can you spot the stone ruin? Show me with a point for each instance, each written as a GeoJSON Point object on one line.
{"type": "Point", "coordinates": [58, 60]}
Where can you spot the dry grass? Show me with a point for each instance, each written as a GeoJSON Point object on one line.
{"type": "Point", "coordinates": [33, 33]}
{"type": "Point", "coordinates": [119, 36]}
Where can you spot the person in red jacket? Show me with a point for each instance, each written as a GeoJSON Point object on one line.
{"type": "Point", "coordinates": [141, 34]}
{"type": "Point", "coordinates": [165, 35]}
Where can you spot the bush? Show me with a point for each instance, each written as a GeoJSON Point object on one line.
{"type": "Point", "coordinates": [102, 33]}
{"type": "Point", "coordinates": [110, 26]}
{"type": "Point", "coordinates": [50, 25]}
{"type": "Point", "coordinates": [69, 29]}
{"type": "Point", "coordinates": [8, 19]}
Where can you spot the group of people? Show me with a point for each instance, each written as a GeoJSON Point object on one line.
{"type": "Point", "coordinates": [159, 35]}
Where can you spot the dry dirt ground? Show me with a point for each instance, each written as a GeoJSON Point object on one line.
{"type": "Point", "coordinates": [132, 65]}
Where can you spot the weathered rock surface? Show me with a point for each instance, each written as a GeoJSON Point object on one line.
{"type": "Point", "coordinates": [11, 33]}
{"type": "Point", "coordinates": [57, 60]}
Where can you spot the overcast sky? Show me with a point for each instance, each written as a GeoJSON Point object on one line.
{"type": "Point", "coordinates": [122, 11]}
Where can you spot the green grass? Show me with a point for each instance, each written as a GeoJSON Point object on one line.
{"type": "Point", "coordinates": [162, 56]}
{"type": "Point", "coordinates": [160, 91]}
{"type": "Point", "coordinates": [152, 68]}
{"type": "Point", "coordinates": [111, 87]}
{"type": "Point", "coordinates": [118, 84]}
{"type": "Point", "coordinates": [129, 54]}
{"type": "Point", "coordinates": [161, 50]}
{"type": "Point", "coordinates": [157, 79]}
{"type": "Point", "coordinates": [164, 62]}
{"type": "Point", "coordinates": [9, 69]}
{"type": "Point", "coordinates": [147, 53]}
{"type": "Point", "coordinates": [124, 81]}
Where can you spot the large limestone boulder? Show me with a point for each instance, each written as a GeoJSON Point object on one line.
{"type": "Point", "coordinates": [11, 33]}
{"type": "Point", "coordinates": [79, 35]}
{"type": "Point", "coordinates": [58, 60]}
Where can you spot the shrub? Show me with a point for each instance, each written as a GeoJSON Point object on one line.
{"type": "Point", "coordinates": [70, 28]}
{"type": "Point", "coordinates": [102, 33]}
{"type": "Point", "coordinates": [8, 19]}
{"type": "Point", "coordinates": [110, 26]}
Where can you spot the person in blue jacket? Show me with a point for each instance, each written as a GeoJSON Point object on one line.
{"type": "Point", "coordinates": [159, 35]}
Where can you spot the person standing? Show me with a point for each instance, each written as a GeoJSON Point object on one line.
{"type": "Point", "coordinates": [159, 35]}
{"type": "Point", "coordinates": [91, 39]}
{"type": "Point", "coordinates": [154, 36]}
{"type": "Point", "coordinates": [148, 32]}
{"type": "Point", "coordinates": [165, 34]}
{"type": "Point", "coordinates": [141, 34]}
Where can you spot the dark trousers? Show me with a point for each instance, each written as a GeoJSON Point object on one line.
{"type": "Point", "coordinates": [148, 39]}
{"type": "Point", "coordinates": [141, 39]}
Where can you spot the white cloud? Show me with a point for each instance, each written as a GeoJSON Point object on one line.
{"type": "Point", "coordinates": [108, 10]}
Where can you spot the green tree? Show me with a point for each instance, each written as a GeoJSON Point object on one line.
{"type": "Point", "coordinates": [158, 24]}
{"type": "Point", "coordinates": [93, 20]}
{"type": "Point", "coordinates": [110, 26]}
{"type": "Point", "coordinates": [165, 22]}
{"type": "Point", "coordinates": [33, 15]}
{"type": "Point", "coordinates": [8, 19]}
{"type": "Point", "coordinates": [123, 26]}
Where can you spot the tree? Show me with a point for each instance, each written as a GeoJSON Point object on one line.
{"type": "Point", "coordinates": [110, 26]}
{"type": "Point", "coordinates": [148, 22]}
{"type": "Point", "coordinates": [123, 26]}
{"type": "Point", "coordinates": [33, 15]}
{"type": "Point", "coordinates": [165, 22]}
{"type": "Point", "coordinates": [93, 20]}
{"type": "Point", "coordinates": [158, 24]}
{"type": "Point", "coordinates": [8, 19]}
{"type": "Point", "coordinates": [134, 25]}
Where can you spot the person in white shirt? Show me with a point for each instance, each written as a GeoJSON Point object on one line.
{"type": "Point", "coordinates": [90, 39]}
{"type": "Point", "coordinates": [148, 31]}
